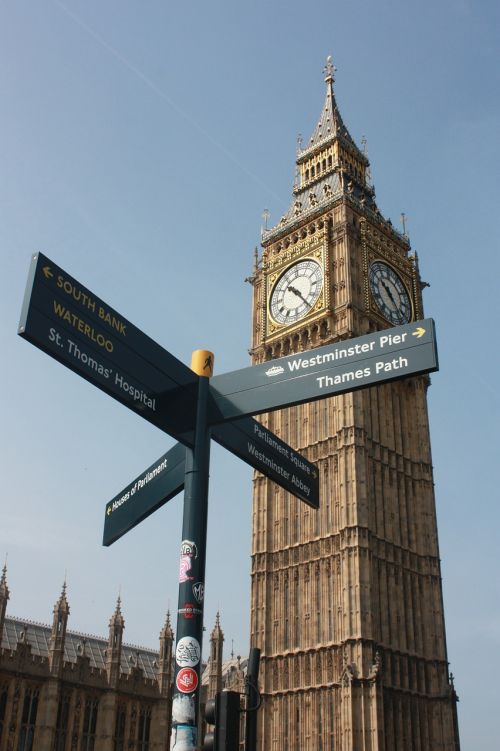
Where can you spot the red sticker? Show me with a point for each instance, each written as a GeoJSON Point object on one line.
{"type": "Point", "coordinates": [189, 610]}
{"type": "Point", "coordinates": [187, 680]}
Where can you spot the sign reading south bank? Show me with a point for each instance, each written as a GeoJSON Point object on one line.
{"type": "Point", "coordinates": [74, 326]}
{"type": "Point", "coordinates": [348, 365]}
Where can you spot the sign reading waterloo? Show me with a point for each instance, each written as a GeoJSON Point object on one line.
{"type": "Point", "coordinates": [77, 328]}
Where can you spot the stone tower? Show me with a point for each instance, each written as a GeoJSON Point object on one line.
{"type": "Point", "coordinates": [4, 597]}
{"type": "Point", "coordinates": [346, 601]}
{"type": "Point", "coordinates": [215, 661]}
{"type": "Point", "coordinates": [58, 633]}
{"type": "Point", "coordinates": [114, 650]}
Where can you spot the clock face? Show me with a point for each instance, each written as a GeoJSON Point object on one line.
{"type": "Point", "coordinates": [296, 292]}
{"type": "Point", "coordinates": [390, 293]}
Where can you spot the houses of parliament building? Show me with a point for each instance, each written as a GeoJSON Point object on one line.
{"type": "Point", "coordinates": [346, 600]}
{"type": "Point", "coordinates": [61, 690]}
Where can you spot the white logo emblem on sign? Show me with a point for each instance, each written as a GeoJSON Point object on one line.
{"type": "Point", "coordinates": [275, 370]}
{"type": "Point", "coordinates": [187, 652]}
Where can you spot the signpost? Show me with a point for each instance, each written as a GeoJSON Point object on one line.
{"type": "Point", "coordinates": [71, 324]}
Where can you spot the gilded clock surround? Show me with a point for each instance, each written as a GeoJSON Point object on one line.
{"type": "Point", "coordinates": [377, 246]}
{"type": "Point", "coordinates": [398, 316]}
{"type": "Point", "coordinates": [276, 264]}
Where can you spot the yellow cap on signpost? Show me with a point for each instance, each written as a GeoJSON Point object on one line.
{"type": "Point", "coordinates": [202, 362]}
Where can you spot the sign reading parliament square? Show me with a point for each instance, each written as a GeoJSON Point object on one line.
{"type": "Point", "coordinates": [265, 452]}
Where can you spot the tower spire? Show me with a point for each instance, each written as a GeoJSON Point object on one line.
{"type": "Point", "coordinates": [58, 634]}
{"type": "Point", "coordinates": [215, 669]}
{"type": "Point", "coordinates": [4, 596]}
{"type": "Point", "coordinates": [165, 664]}
{"type": "Point", "coordinates": [329, 167]}
{"type": "Point", "coordinates": [113, 652]}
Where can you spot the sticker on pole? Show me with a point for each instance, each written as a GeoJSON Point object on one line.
{"type": "Point", "coordinates": [187, 680]}
{"type": "Point", "coordinates": [187, 652]}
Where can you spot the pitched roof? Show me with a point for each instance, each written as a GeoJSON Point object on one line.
{"type": "Point", "coordinates": [330, 124]}
{"type": "Point", "coordinates": [37, 635]}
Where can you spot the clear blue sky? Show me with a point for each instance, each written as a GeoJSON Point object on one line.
{"type": "Point", "coordinates": [140, 144]}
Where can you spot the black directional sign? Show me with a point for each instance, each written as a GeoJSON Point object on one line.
{"type": "Point", "coordinates": [154, 487]}
{"type": "Point", "coordinates": [334, 369]}
{"type": "Point", "coordinates": [267, 453]}
{"type": "Point", "coordinates": [71, 324]}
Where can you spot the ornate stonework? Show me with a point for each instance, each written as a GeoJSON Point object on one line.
{"type": "Point", "coordinates": [346, 601]}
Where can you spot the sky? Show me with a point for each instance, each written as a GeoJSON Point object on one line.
{"type": "Point", "coordinates": [140, 145]}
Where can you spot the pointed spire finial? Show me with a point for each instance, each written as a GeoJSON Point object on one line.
{"type": "Point", "coordinates": [329, 70]}
{"type": "Point", "coordinates": [3, 580]}
{"type": "Point", "coordinates": [403, 222]}
{"type": "Point", "coordinates": [265, 217]}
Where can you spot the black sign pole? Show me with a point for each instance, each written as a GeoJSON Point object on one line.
{"type": "Point", "coordinates": [189, 635]}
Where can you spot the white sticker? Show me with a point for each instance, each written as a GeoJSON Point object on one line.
{"type": "Point", "coordinates": [187, 652]}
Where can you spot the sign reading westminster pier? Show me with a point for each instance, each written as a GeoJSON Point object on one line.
{"type": "Point", "coordinates": [333, 369]}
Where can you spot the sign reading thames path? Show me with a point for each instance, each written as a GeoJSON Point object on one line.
{"type": "Point", "coordinates": [334, 369]}
{"type": "Point", "coordinates": [71, 324]}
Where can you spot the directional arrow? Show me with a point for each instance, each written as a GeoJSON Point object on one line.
{"type": "Point", "coordinates": [48, 273]}
{"type": "Point", "coordinates": [419, 332]}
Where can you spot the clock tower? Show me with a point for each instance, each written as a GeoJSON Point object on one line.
{"type": "Point", "coordinates": [347, 604]}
